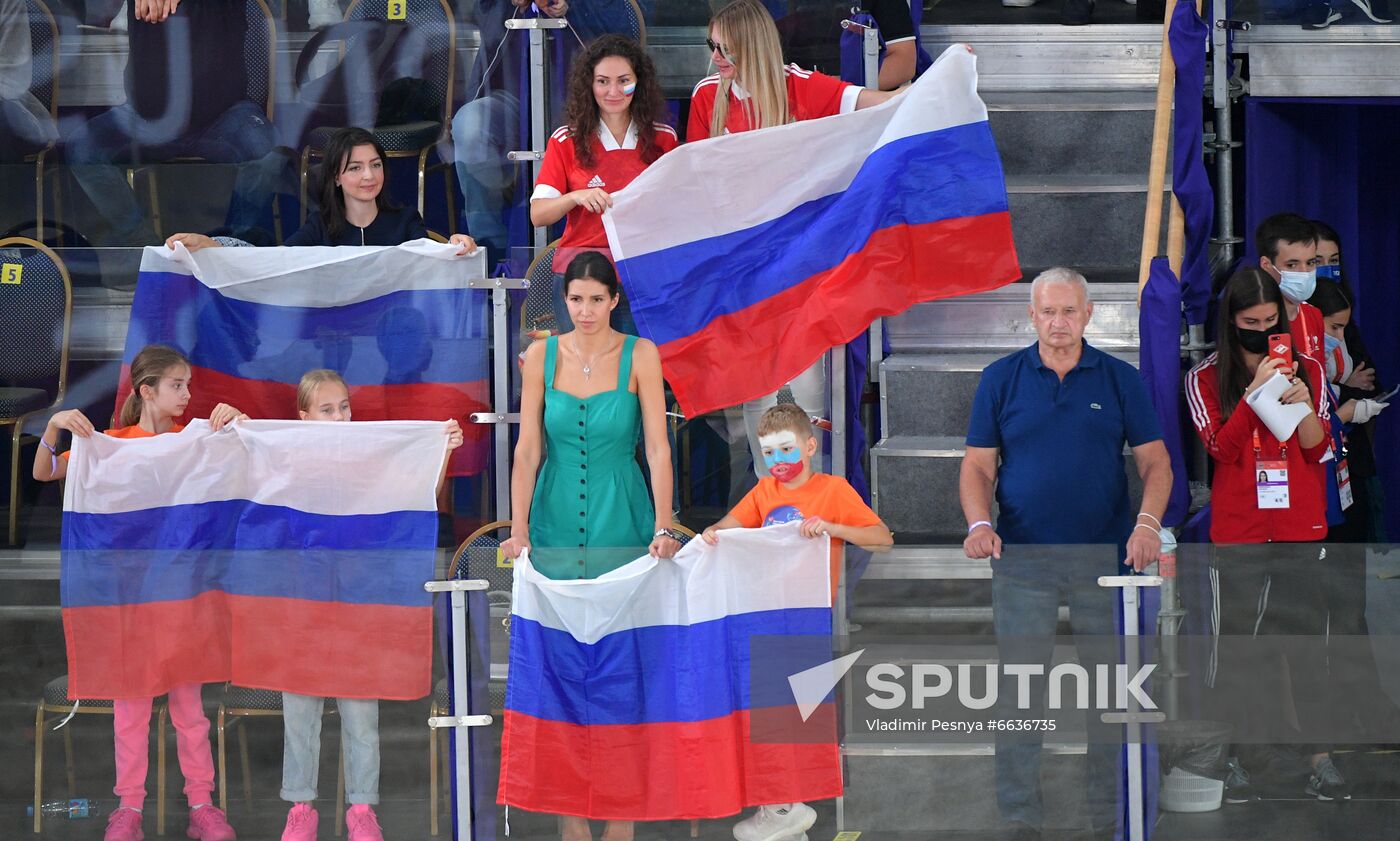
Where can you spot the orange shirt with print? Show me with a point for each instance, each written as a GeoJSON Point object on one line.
{"type": "Point", "coordinates": [829, 497]}
{"type": "Point", "coordinates": [133, 431]}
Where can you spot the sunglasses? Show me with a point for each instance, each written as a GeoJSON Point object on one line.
{"type": "Point", "coordinates": [717, 47]}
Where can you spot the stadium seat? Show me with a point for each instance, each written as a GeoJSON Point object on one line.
{"type": "Point", "coordinates": [44, 69]}
{"type": "Point", "coordinates": [54, 705]}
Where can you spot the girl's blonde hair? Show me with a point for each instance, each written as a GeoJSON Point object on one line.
{"type": "Point", "coordinates": [152, 363]}
{"type": "Point", "coordinates": [751, 38]}
{"type": "Point", "coordinates": [306, 389]}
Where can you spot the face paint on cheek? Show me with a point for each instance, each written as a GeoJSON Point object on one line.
{"type": "Point", "coordinates": [627, 90]}
{"type": "Point", "coordinates": [784, 461]}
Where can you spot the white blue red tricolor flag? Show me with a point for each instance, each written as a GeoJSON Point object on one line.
{"type": "Point", "coordinates": [659, 690]}
{"type": "Point", "coordinates": [399, 324]}
{"type": "Point", "coordinates": [285, 555]}
{"type": "Point", "coordinates": [745, 257]}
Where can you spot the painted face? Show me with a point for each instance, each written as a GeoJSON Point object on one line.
{"type": "Point", "coordinates": [589, 304]}
{"type": "Point", "coordinates": [329, 402]}
{"type": "Point", "coordinates": [171, 393]}
{"type": "Point", "coordinates": [613, 84]}
{"type": "Point", "coordinates": [363, 175]}
{"type": "Point", "coordinates": [782, 455]}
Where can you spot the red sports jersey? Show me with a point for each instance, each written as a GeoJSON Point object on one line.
{"type": "Point", "coordinates": [810, 95]}
{"type": "Point", "coordinates": [614, 168]}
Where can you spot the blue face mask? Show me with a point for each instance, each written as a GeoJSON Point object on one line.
{"type": "Point", "coordinates": [1332, 273]}
{"type": "Point", "coordinates": [1297, 286]}
{"type": "Point", "coordinates": [1339, 366]}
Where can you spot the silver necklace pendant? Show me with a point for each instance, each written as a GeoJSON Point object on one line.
{"type": "Point", "coordinates": [587, 371]}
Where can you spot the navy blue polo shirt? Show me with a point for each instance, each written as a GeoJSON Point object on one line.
{"type": "Point", "coordinates": [1062, 477]}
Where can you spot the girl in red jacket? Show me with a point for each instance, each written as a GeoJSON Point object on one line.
{"type": "Point", "coordinates": [1268, 510]}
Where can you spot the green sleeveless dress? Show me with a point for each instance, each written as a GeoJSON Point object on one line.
{"type": "Point", "coordinates": [591, 511]}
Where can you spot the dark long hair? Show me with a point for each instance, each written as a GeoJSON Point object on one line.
{"type": "Point", "coordinates": [591, 265]}
{"type": "Point", "coordinates": [581, 108]}
{"type": "Point", "coordinates": [338, 150]}
{"type": "Point", "coordinates": [1248, 287]}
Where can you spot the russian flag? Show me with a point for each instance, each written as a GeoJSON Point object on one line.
{"type": "Point", "coordinates": [659, 691]}
{"type": "Point", "coordinates": [398, 323]}
{"type": "Point", "coordinates": [286, 555]}
{"type": "Point", "coordinates": [746, 257]}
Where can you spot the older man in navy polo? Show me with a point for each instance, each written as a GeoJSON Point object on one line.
{"type": "Point", "coordinates": [1048, 429]}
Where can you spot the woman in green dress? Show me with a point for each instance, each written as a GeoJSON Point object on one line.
{"type": "Point", "coordinates": [577, 496]}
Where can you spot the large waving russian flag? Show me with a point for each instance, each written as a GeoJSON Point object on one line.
{"type": "Point", "coordinates": [745, 257]}
{"type": "Point", "coordinates": [400, 325]}
{"type": "Point", "coordinates": [285, 555]}
{"type": "Point", "coordinates": [659, 691]}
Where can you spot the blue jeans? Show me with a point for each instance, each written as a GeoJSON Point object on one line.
{"type": "Point", "coordinates": [1028, 586]}
{"type": "Point", "coordinates": [242, 135]}
{"type": "Point", "coordinates": [301, 747]}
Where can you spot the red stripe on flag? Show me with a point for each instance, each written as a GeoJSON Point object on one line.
{"type": "Point", "coordinates": [265, 399]}
{"type": "Point", "coordinates": [747, 354]}
{"type": "Point", "coordinates": [671, 771]}
{"type": "Point", "coordinates": [328, 649]}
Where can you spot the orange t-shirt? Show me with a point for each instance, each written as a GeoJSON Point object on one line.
{"type": "Point", "coordinates": [829, 497]}
{"type": "Point", "coordinates": [133, 431]}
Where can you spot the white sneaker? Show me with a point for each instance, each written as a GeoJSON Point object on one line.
{"type": "Point", "coordinates": [783, 822]}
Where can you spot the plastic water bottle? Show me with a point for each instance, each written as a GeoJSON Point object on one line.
{"type": "Point", "coordinates": [71, 809]}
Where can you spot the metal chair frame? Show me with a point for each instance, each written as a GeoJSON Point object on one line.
{"type": "Point", "coordinates": [40, 157]}
{"type": "Point", "coordinates": [308, 152]}
{"type": "Point", "coordinates": [17, 434]}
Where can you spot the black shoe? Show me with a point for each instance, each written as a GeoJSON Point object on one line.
{"type": "Point", "coordinates": [1077, 12]}
{"type": "Point", "coordinates": [1237, 787]}
{"type": "Point", "coordinates": [1327, 783]}
{"type": "Point", "coordinates": [1018, 831]}
{"type": "Point", "coordinates": [1377, 10]}
{"type": "Point", "coordinates": [1320, 16]}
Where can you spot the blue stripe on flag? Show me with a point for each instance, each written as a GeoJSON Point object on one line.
{"type": "Point", "coordinates": [663, 673]}
{"type": "Point", "coordinates": [436, 335]}
{"type": "Point", "coordinates": [947, 174]}
{"type": "Point", "coordinates": [178, 552]}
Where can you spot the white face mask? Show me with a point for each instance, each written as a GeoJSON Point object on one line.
{"type": "Point", "coordinates": [1339, 364]}
{"type": "Point", "coordinates": [1297, 286]}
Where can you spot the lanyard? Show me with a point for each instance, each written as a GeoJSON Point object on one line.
{"type": "Point", "coordinates": [1282, 449]}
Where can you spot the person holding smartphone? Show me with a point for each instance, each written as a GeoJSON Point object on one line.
{"type": "Point", "coordinates": [1269, 514]}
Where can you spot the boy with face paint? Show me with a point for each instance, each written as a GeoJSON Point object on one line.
{"type": "Point", "coordinates": [824, 504]}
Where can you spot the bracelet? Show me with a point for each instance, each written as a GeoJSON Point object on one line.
{"type": "Point", "coordinates": [973, 527]}
{"type": "Point", "coordinates": [1152, 518]}
{"type": "Point", "coordinates": [1146, 526]}
{"type": "Point", "coordinates": [53, 455]}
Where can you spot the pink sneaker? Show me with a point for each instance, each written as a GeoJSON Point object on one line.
{"type": "Point", "coordinates": [208, 823]}
{"type": "Point", "coordinates": [124, 825]}
{"type": "Point", "coordinates": [301, 823]}
{"type": "Point", "coordinates": [362, 823]}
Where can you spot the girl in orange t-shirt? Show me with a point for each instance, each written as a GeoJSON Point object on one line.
{"type": "Point", "coordinates": [160, 391]}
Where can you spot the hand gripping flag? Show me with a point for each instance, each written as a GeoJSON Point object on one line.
{"type": "Point", "coordinates": [285, 555]}
{"type": "Point", "coordinates": [399, 324]}
{"type": "Point", "coordinates": [746, 257]}
{"type": "Point", "coordinates": [660, 691]}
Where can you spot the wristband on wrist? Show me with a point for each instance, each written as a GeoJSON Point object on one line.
{"type": "Point", "coordinates": [972, 528]}
{"type": "Point", "coordinates": [1145, 526]}
{"type": "Point", "coordinates": [1152, 518]}
{"type": "Point", "coordinates": [53, 455]}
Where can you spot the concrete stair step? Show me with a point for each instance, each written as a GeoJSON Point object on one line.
{"type": "Point", "coordinates": [928, 563]}
{"type": "Point", "coordinates": [1038, 57]}
{"type": "Point", "coordinates": [1059, 134]}
{"type": "Point", "coordinates": [931, 394]}
{"type": "Point", "coordinates": [914, 486]}
{"type": "Point", "coordinates": [998, 320]}
{"type": "Point", "coordinates": [1087, 220]}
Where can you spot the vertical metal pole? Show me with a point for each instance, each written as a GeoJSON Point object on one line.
{"type": "Point", "coordinates": [501, 369]}
{"type": "Point", "coordinates": [837, 379]}
{"type": "Point", "coordinates": [1224, 132]}
{"type": "Point", "coordinates": [539, 106]}
{"type": "Point", "coordinates": [870, 50]}
{"type": "Point", "coordinates": [461, 737]}
{"type": "Point", "coordinates": [1136, 821]}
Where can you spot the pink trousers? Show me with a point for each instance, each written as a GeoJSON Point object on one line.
{"type": "Point", "coordinates": [132, 724]}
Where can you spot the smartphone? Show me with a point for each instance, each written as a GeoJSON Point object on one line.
{"type": "Point", "coordinates": [1281, 347]}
